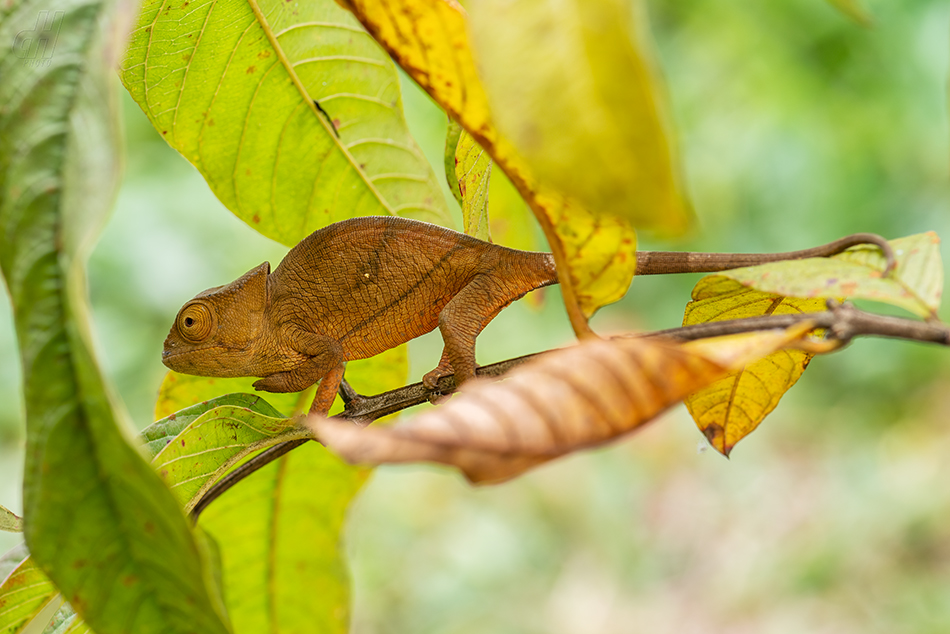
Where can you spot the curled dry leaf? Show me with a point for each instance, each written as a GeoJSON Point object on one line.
{"type": "Point", "coordinates": [561, 402]}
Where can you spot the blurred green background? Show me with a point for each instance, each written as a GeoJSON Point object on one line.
{"type": "Point", "coordinates": [796, 127]}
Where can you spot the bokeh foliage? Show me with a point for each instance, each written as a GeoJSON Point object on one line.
{"type": "Point", "coordinates": [798, 127]}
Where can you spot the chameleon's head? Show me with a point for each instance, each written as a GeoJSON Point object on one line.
{"type": "Point", "coordinates": [217, 332]}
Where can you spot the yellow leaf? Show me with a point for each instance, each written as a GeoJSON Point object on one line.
{"type": "Point", "coordinates": [429, 39]}
{"type": "Point", "coordinates": [473, 171]}
{"type": "Point", "coordinates": [572, 85]}
{"type": "Point", "coordinates": [732, 407]}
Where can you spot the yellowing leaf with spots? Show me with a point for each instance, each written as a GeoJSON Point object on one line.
{"type": "Point", "coordinates": [915, 285]}
{"type": "Point", "coordinates": [473, 171]}
{"type": "Point", "coordinates": [429, 39]}
{"type": "Point", "coordinates": [290, 111]}
{"type": "Point", "coordinates": [732, 407]}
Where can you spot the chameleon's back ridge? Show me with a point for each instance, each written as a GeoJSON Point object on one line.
{"type": "Point", "coordinates": [358, 287]}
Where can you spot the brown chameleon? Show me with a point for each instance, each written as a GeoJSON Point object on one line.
{"type": "Point", "coordinates": [350, 291]}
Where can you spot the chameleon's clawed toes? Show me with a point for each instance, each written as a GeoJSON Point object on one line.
{"type": "Point", "coordinates": [431, 379]}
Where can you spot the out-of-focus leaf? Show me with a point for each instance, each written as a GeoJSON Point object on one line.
{"type": "Point", "coordinates": [10, 521]}
{"type": "Point", "coordinates": [23, 595]}
{"type": "Point", "coordinates": [915, 285]}
{"type": "Point", "coordinates": [473, 172]}
{"type": "Point", "coordinates": [572, 85]}
{"type": "Point", "coordinates": [595, 252]}
{"type": "Point", "coordinates": [212, 444]}
{"type": "Point", "coordinates": [12, 558]}
{"type": "Point", "coordinates": [291, 112]}
{"type": "Point", "coordinates": [509, 218]}
{"type": "Point", "coordinates": [731, 408]}
{"type": "Point", "coordinates": [161, 432]}
{"type": "Point", "coordinates": [280, 530]}
{"type": "Point", "coordinates": [855, 10]}
{"type": "Point", "coordinates": [553, 405]}
{"type": "Point", "coordinates": [63, 620]}
{"type": "Point", "coordinates": [180, 391]}
{"type": "Point", "coordinates": [100, 523]}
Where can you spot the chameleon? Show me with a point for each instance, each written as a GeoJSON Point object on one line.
{"type": "Point", "coordinates": [350, 291]}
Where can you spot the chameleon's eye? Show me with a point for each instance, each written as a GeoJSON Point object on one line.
{"type": "Point", "coordinates": [196, 322]}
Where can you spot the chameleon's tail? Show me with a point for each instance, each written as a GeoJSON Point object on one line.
{"type": "Point", "coordinates": [535, 270]}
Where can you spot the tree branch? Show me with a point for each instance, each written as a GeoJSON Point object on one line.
{"type": "Point", "coordinates": [662, 262]}
{"type": "Point", "coordinates": [842, 321]}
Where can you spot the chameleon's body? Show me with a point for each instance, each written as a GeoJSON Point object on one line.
{"type": "Point", "coordinates": [350, 291]}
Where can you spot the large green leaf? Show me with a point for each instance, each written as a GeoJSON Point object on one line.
{"type": "Point", "coordinates": [280, 535]}
{"type": "Point", "coordinates": [290, 111]}
{"type": "Point", "coordinates": [280, 530]}
{"type": "Point", "coordinates": [100, 522]}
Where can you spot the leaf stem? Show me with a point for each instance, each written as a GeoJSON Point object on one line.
{"type": "Point", "coordinates": [842, 321]}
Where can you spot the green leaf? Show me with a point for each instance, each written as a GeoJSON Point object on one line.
{"type": "Point", "coordinates": [161, 432]}
{"type": "Point", "coordinates": [733, 407]}
{"type": "Point", "coordinates": [100, 522]}
{"type": "Point", "coordinates": [915, 285]}
{"type": "Point", "coordinates": [573, 86]}
{"type": "Point", "coordinates": [473, 171]}
{"type": "Point", "coordinates": [280, 533]}
{"type": "Point", "coordinates": [280, 530]}
{"type": "Point", "coordinates": [10, 521]}
{"type": "Point", "coordinates": [214, 443]}
{"type": "Point", "coordinates": [291, 112]}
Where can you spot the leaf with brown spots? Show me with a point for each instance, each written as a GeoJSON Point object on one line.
{"type": "Point", "coordinates": [858, 273]}
{"type": "Point", "coordinates": [732, 407]}
{"type": "Point", "coordinates": [24, 594]}
{"type": "Point", "coordinates": [558, 403]}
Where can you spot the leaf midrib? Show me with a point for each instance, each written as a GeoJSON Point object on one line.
{"type": "Point", "coordinates": [272, 38]}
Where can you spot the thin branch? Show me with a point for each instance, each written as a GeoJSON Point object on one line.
{"type": "Point", "coordinates": [663, 262]}
{"type": "Point", "coordinates": [842, 321]}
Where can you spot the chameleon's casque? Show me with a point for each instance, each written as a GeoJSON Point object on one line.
{"type": "Point", "coordinates": [350, 291]}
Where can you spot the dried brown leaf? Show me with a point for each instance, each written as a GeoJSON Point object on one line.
{"type": "Point", "coordinates": [567, 400]}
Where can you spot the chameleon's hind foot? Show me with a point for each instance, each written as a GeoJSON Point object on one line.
{"type": "Point", "coordinates": [431, 378]}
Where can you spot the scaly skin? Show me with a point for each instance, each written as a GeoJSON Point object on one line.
{"type": "Point", "coordinates": [350, 291]}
